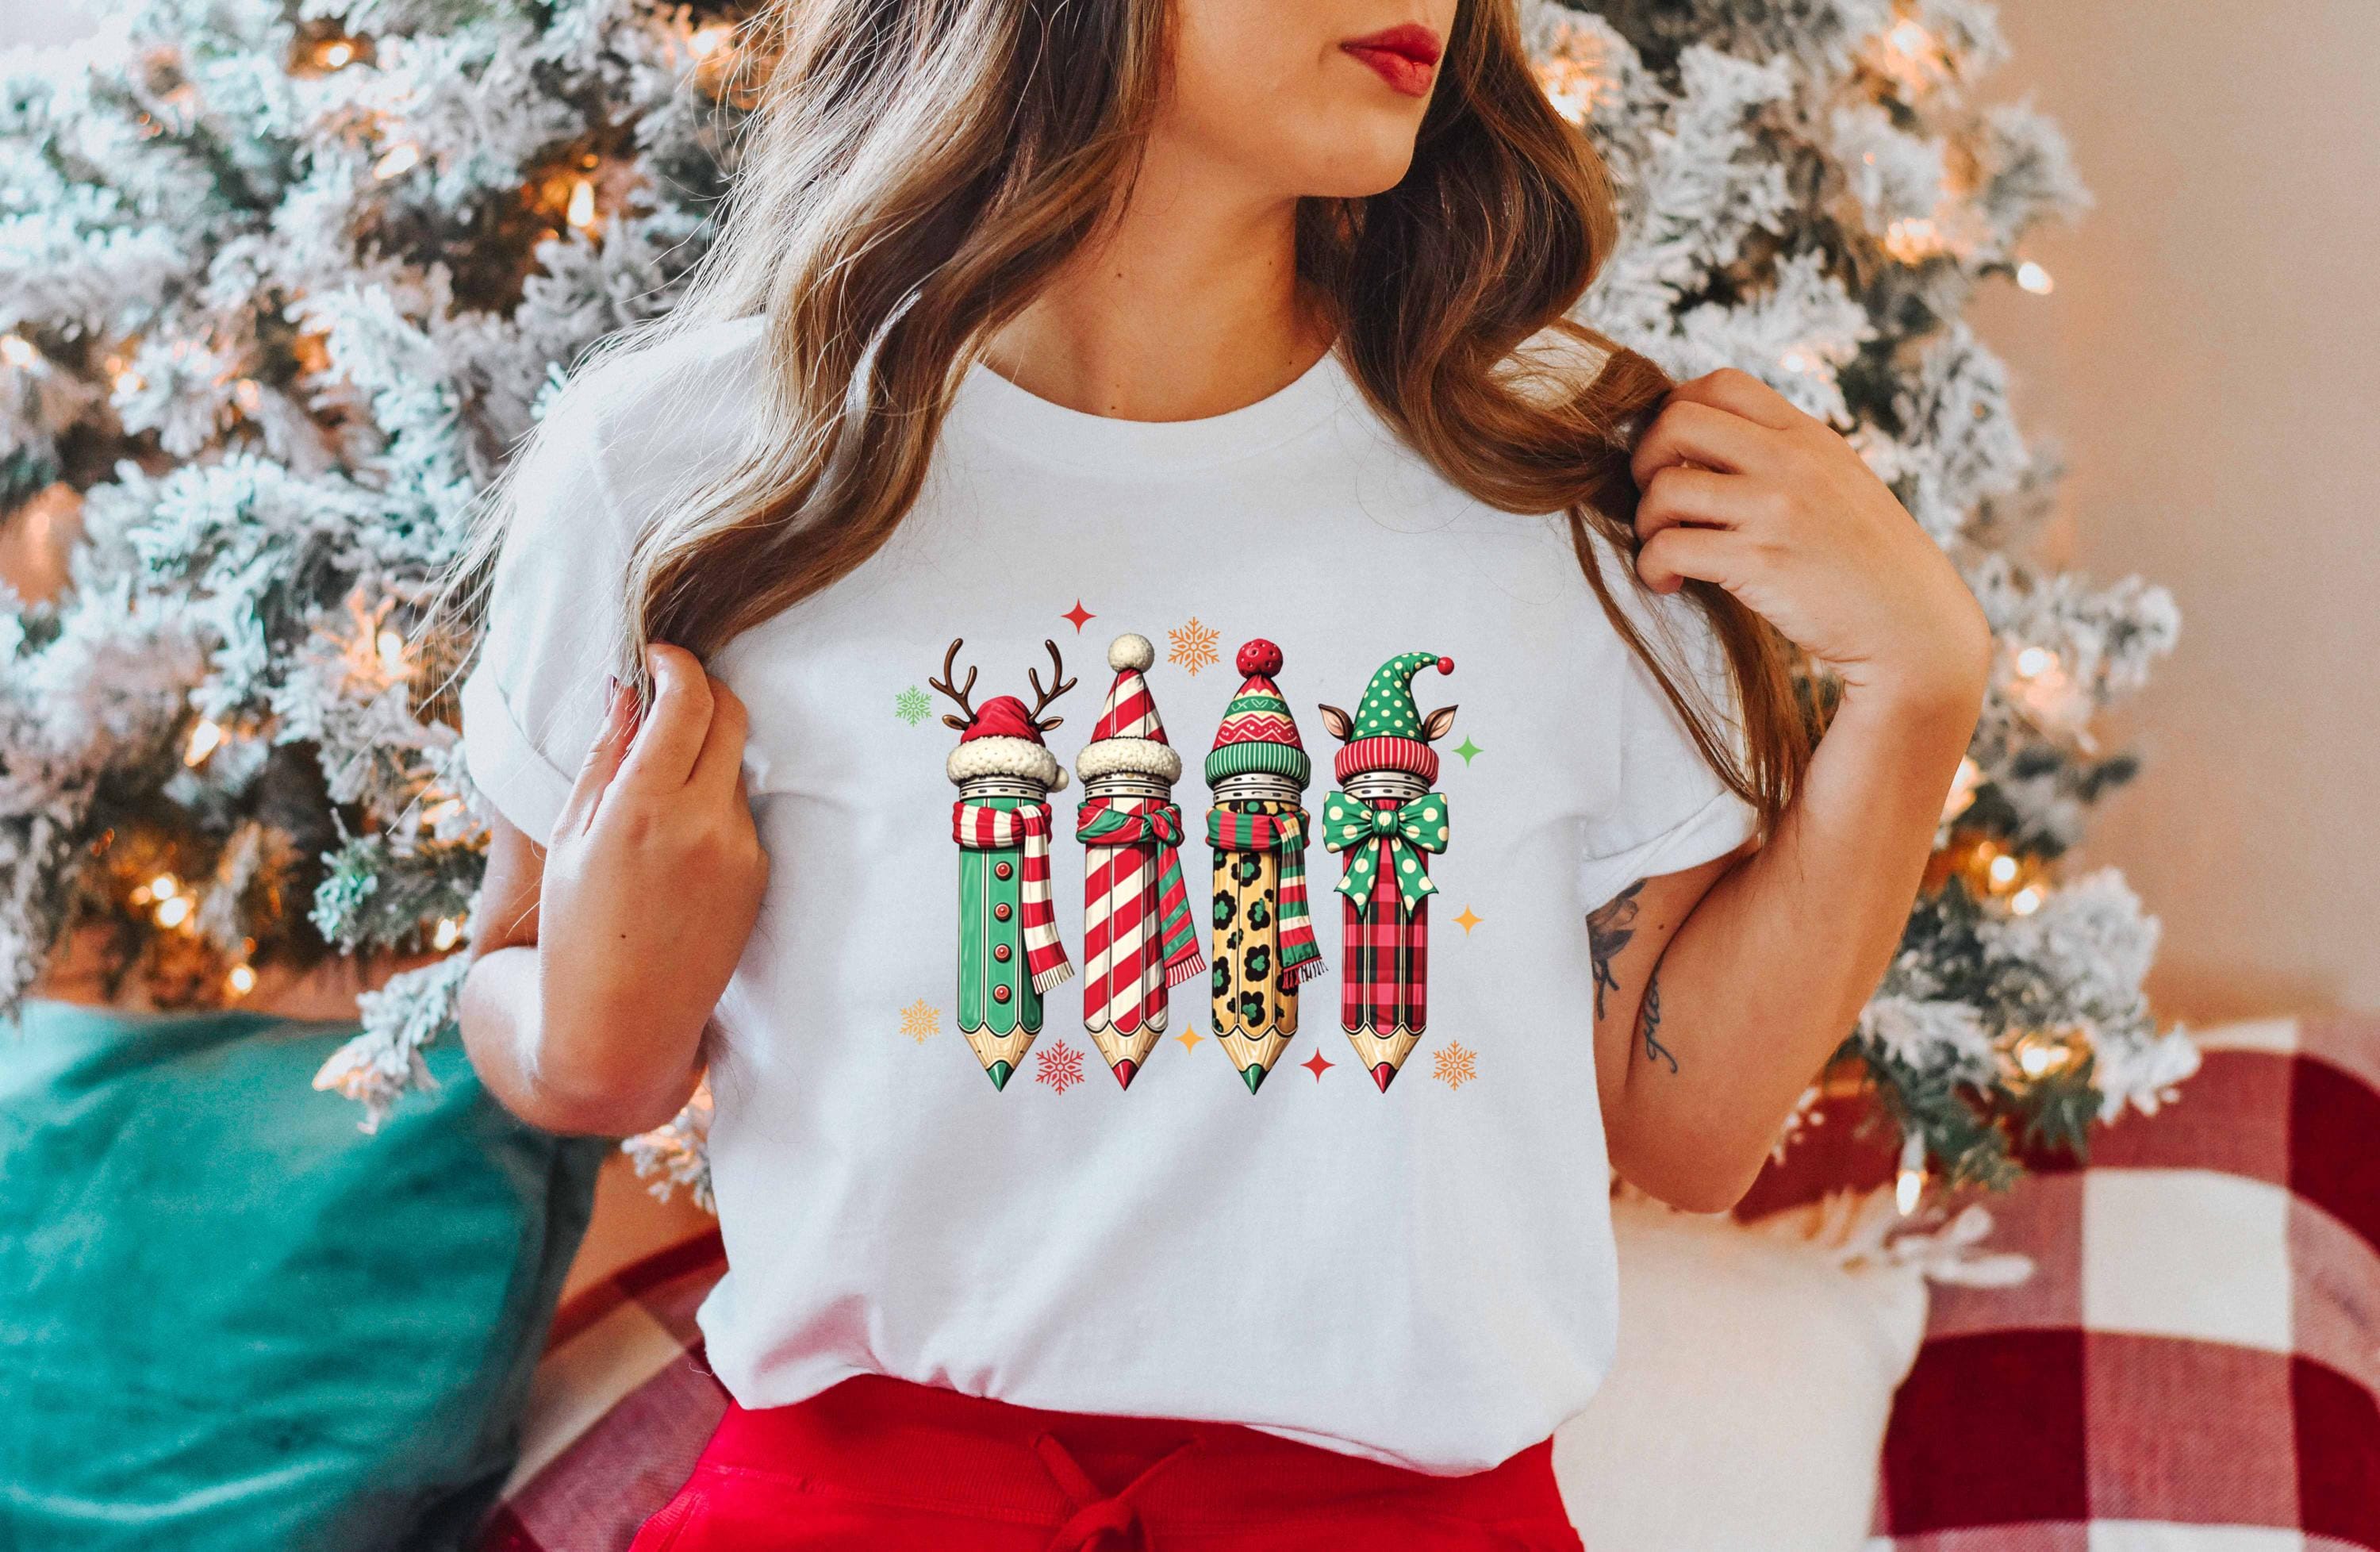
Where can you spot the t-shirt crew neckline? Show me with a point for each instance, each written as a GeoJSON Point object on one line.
{"type": "Point", "coordinates": [991, 406]}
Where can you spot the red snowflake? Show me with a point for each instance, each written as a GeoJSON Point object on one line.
{"type": "Point", "coordinates": [1062, 1067]}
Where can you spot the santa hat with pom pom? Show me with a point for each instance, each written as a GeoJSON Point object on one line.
{"type": "Point", "coordinates": [1129, 738]}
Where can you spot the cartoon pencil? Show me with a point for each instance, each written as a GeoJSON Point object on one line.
{"type": "Point", "coordinates": [1139, 937]}
{"type": "Point", "coordinates": [1386, 823]}
{"type": "Point", "coordinates": [1264, 938]}
{"type": "Point", "coordinates": [1009, 952]}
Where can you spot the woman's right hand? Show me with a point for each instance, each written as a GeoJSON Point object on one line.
{"type": "Point", "coordinates": [651, 884]}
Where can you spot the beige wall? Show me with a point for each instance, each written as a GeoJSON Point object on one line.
{"type": "Point", "coordinates": [2210, 362]}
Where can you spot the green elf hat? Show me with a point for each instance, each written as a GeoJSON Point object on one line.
{"type": "Point", "coordinates": [1258, 733]}
{"type": "Point", "coordinates": [1388, 732]}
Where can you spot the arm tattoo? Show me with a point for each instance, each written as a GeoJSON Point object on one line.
{"type": "Point", "coordinates": [1609, 927]}
{"type": "Point", "coordinates": [1651, 1018]}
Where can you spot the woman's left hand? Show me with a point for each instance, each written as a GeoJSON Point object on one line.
{"type": "Point", "coordinates": [1741, 489]}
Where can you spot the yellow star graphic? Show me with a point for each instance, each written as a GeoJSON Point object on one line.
{"type": "Point", "coordinates": [1467, 921]}
{"type": "Point", "coordinates": [1189, 1041]}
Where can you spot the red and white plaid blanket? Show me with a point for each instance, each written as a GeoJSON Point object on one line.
{"type": "Point", "coordinates": [2195, 1366]}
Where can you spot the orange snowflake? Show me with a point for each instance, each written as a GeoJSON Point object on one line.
{"type": "Point", "coordinates": [919, 1019]}
{"type": "Point", "coordinates": [1193, 647]}
{"type": "Point", "coordinates": [1454, 1065]}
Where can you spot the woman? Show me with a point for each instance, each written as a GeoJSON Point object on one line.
{"type": "Point", "coordinates": [1192, 322]}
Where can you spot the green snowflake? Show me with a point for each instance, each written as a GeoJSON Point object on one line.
{"type": "Point", "coordinates": [911, 706]}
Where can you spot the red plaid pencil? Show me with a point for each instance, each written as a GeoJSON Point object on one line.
{"type": "Point", "coordinates": [1387, 824]}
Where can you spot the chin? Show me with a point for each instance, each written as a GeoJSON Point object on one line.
{"type": "Point", "coordinates": [1367, 160]}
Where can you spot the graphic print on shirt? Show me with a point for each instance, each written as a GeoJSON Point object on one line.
{"type": "Point", "coordinates": [1139, 937]}
{"type": "Point", "coordinates": [1009, 952]}
{"type": "Point", "coordinates": [1263, 937]}
{"type": "Point", "coordinates": [1386, 823]}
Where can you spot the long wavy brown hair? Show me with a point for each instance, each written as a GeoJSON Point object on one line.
{"type": "Point", "coordinates": [917, 171]}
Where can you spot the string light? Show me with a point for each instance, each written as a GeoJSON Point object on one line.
{"type": "Point", "coordinates": [17, 351]}
{"type": "Point", "coordinates": [707, 40]}
{"type": "Point", "coordinates": [391, 644]}
{"type": "Point", "coordinates": [1962, 789]}
{"type": "Point", "coordinates": [449, 932]}
{"type": "Point", "coordinates": [1914, 239]}
{"type": "Point", "coordinates": [2026, 901]}
{"type": "Point", "coordinates": [174, 912]}
{"type": "Point", "coordinates": [581, 212]}
{"type": "Point", "coordinates": [204, 740]}
{"type": "Point", "coordinates": [1909, 1185]}
{"type": "Point", "coordinates": [2034, 278]}
{"type": "Point", "coordinates": [2032, 662]}
{"type": "Point", "coordinates": [2001, 871]}
{"type": "Point", "coordinates": [336, 54]}
{"type": "Point", "coordinates": [164, 886]}
{"type": "Point", "coordinates": [241, 981]}
{"type": "Point", "coordinates": [397, 160]}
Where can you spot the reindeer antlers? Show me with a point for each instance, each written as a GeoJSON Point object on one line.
{"type": "Point", "coordinates": [949, 660]}
{"type": "Point", "coordinates": [1057, 673]}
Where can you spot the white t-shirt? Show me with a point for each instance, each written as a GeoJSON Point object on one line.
{"type": "Point", "coordinates": [1422, 1273]}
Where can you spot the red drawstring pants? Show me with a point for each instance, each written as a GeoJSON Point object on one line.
{"type": "Point", "coordinates": [883, 1465]}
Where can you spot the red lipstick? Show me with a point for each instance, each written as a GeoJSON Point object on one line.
{"type": "Point", "coordinates": [1405, 56]}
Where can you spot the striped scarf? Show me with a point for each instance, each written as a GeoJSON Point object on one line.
{"type": "Point", "coordinates": [1276, 826]}
{"type": "Point", "coordinates": [1139, 821]}
{"type": "Point", "coordinates": [978, 827]}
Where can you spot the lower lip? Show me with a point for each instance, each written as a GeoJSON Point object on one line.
{"type": "Point", "coordinates": [1402, 72]}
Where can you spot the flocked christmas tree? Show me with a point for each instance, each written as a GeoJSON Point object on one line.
{"type": "Point", "coordinates": [282, 284]}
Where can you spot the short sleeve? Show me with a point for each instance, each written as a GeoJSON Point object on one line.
{"type": "Point", "coordinates": [533, 701]}
{"type": "Point", "coordinates": [1669, 810]}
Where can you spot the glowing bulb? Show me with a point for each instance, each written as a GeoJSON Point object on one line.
{"type": "Point", "coordinates": [399, 159]}
{"type": "Point", "coordinates": [174, 912]}
{"type": "Point", "coordinates": [2036, 279]}
{"type": "Point", "coordinates": [2034, 662]}
{"type": "Point", "coordinates": [164, 886]}
{"type": "Point", "coordinates": [2036, 1057]}
{"type": "Point", "coordinates": [2002, 871]}
{"type": "Point", "coordinates": [337, 55]}
{"type": "Point", "coordinates": [581, 213]}
{"type": "Point", "coordinates": [707, 40]}
{"type": "Point", "coordinates": [129, 382]}
{"type": "Point", "coordinates": [242, 980]}
{"type": "Point", "coordinates": [246, 394]}
{"type": "Point", "coordinates": [392, 651]}
{"type": "Point", "coordinates": [1796, 362]}
{"type": "Point", "coordinates": [2025, 901]}
{"type": "Point", "coordinates": [204, 740]}
{"type": "Point", "coordinates": [1914, 239]}
{"type": "Point", "coordinates": [17, 351]}
{"type": "Point", "coordinates": [1909, 1185]}
{"type": "Point", "coordinates": [448, 932]}
{"type": "Point", "coordinates": [1962, 789]}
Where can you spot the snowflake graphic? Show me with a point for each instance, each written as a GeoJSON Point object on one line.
{"type": "Point", "coordinates": [911, 706]}
{"type": "Point", "coordinates": [1062, 1067]}
{"type": "Point", "coordinates": [1455, 1065]}
{"type": "Point", "coordinates": [1193, 647]}
{"type": "Point", "coordinates": [919, 1019]}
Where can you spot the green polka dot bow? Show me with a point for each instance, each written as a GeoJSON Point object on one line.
{"type": "Point", "coordinates": [1389, 838]}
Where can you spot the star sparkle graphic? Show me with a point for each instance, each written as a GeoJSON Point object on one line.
{"type": "Point", "coordinates": [1467, 748]}
{"type": "Point", "coordinates": [1079, 615]}
{"type": "Point", "coordinates": [1467, 921]}
{"type": "Point", "coordinates": [1316, 1065]}
{"type": "Point", "coordinates": [1189, 1039]}
{"type": "Point", "coordinates": [1192, 647]}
